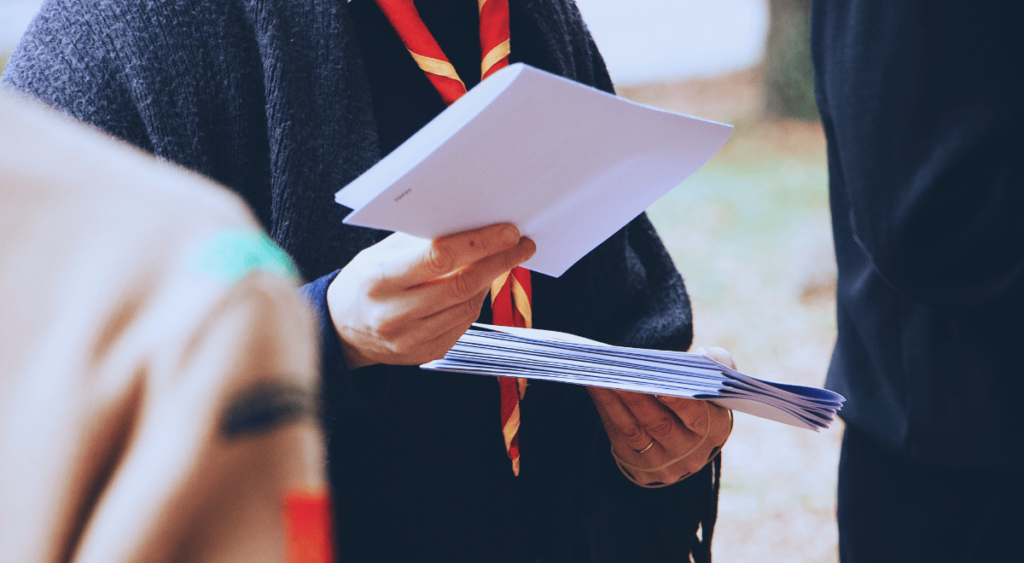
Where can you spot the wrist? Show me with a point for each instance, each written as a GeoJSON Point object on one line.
{"type": "Point", "coordinates": [353, 357]}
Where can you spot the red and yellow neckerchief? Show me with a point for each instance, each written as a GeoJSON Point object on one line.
{"type": "Point", "coordinates": [511, 294]}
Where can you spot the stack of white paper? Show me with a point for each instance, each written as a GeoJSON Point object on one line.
{"type": "Point", "coordinates": [567, 164]}
{"type": "Point", "coordinates": [554, 356]}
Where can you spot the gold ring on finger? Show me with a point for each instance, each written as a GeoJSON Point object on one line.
{"type": "Point", "coordinates": [645, 448]}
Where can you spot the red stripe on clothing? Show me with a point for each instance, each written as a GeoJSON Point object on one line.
{"type": "Point", "coordinates": [308, 533]}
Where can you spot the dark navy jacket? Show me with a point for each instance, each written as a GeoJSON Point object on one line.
{"type": "Point", "coordinates": [923, 107]}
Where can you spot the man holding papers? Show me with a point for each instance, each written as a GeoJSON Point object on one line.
{"type": "Point", "coordinates": [286, 103]}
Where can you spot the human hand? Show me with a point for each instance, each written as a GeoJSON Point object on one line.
{"type": "Point", "coordinates": [659, 440]}
{"type": "Point", "coordinates": [406, 301]}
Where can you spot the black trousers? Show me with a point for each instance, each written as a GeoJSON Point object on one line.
{"type": "Point", "coordinates": [900, 511]}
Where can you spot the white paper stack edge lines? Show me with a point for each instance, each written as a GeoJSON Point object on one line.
{"type": "Point", "coordinates": [537, 354]}
{"type": "Point", "coordinates": [581, 164]}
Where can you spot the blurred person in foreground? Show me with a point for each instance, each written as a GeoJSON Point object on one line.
{"type": "Point", "coordinates": [921, 104]}
{"type": "Point", "coordinates": [286, 103]}
{"type": "Point", "coordinates": [157, 368]}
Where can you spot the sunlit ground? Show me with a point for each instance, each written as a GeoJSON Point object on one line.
{"type": "Point", "coordinates": [750, 233]}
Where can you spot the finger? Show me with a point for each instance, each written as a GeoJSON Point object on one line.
{"type": "Point", "coordinates": [443, 293]}
{"type": "Point", "coordinates": [482, 272]}
{"type": "Point", "coordinates": [720, 355]}
{"type": "Point", "coordinates": [674, 456]}
{"type": "Point", "coordinates": [408, 334]}
{"type": "Point", "coordinates": [460, 315]}
{"type": "Point", "coordinates": [437, 348]}
{"type": "Point", "coordinates": [659, 422]}
{"type": "Point", "coordinates": [619, 420]}
{"type": "Point", "coordinates": [703, 418]}
{"type": "Point", "coordinates": [416, 352]}
{"type": "Point", "coordinates": [447, 254]}
{"type": "Point", "coordinates": [690, 411]}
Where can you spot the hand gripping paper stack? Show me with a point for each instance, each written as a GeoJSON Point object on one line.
{"type": "Point", "coordinates": [554, 356]}
{"type": "Point", "coordinates": [582, 164]}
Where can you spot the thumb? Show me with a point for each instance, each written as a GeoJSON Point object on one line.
{"type": "Point", "coordinates": [720, 355]}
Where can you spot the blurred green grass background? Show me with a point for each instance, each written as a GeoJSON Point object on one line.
{"type": "Point", "coordinates": [750, 232]}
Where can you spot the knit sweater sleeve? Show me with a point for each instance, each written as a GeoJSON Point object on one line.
{"type": "Point", "coordinates": [181, 80]}
{"type": "Point", "coordinates": [190, 110]}
{"type": "Point", "coordinates": [80, 74]}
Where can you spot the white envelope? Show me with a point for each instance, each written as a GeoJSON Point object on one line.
{"type": "Point", "coordinates": [569, 165]}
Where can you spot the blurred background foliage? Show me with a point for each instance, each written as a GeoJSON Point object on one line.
{"type": "Point", "coordinates": [789, 78]}
{"type": "Point", "coordinates": [749, 232]}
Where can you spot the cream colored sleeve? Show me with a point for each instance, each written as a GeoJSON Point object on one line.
{"type": "Point", "coordinates": [158, 378]}
{"type": "Point", "coordinates": [224, 428]}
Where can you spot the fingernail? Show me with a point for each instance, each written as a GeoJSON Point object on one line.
{"type": "Point", "coordinates": [509, 234]}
